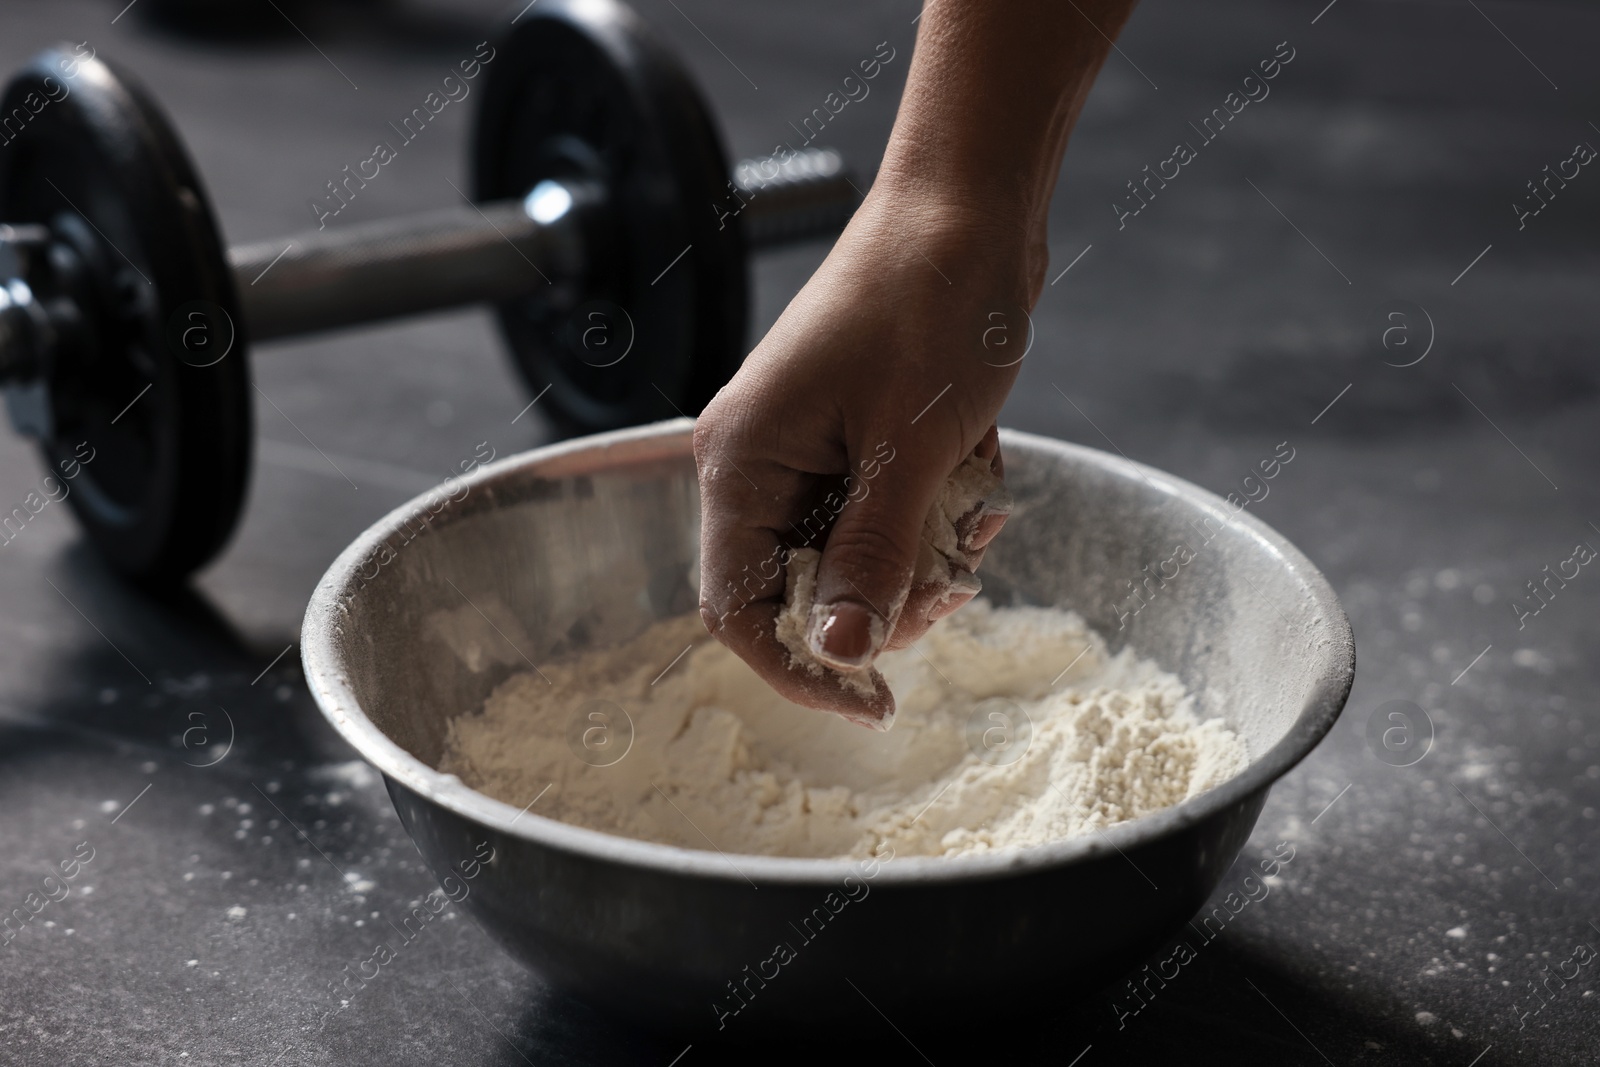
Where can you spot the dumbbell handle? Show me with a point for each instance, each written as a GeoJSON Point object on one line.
{"type": "Point", "coordinates": [326, 279]}
{"type": "Point", "coordinates": [471, 253]}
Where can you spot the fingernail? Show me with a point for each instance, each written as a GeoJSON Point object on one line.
{"type": "Point", "coordinates": [879, 725]}
{"type": "Point", "coordinates": [845, 636]}
{"type": "Point", "coordinates": [964, 585]}
{"type": "Point", "coordinates": [990, 520]}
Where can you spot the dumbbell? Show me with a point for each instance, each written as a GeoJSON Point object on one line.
{"type": "Point", "coordinates": [605, 226]}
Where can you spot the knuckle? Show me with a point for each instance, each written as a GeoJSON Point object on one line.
{"type": "Point", "coordinates": [872, 552]}
{"type": "Point", "coordinates": [721, 432]}
{"type": "Point", "coordinates": [706, 437]}
{"type": "Point", "coordinates": [908, 630]}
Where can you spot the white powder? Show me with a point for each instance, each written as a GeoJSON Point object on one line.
{"type": "Point", "coordinates": [1015, 728]}
{"type": "Point", "coordinates": [795, 620]}
{"type": "Point", "coordinates": [971, 488]}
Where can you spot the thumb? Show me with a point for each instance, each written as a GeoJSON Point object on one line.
{"type": "Point", "coordinates": [871, 553]}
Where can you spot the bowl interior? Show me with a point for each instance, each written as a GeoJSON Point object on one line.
{"type": "Point", "coordinates": [583, 545]}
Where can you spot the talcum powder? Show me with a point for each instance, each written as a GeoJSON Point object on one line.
{"type": "Point", "coordinates": [1016, 726]}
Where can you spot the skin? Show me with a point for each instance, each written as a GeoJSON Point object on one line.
{"type": "Point", "coordinates": [949, 243]}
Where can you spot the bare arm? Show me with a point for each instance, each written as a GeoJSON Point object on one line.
{"type": "Point", "coordinates": [875, 383]}
{"type": "Point", "coordinates": [994, 91]}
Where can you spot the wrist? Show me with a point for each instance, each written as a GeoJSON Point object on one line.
{"type": "Point", "coordinates": [955, 196]}
{"type": "Point", "coordinates": [963, 224]}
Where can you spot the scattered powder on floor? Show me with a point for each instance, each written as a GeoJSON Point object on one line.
{"type": "Point", "coordinates": [996, 746]}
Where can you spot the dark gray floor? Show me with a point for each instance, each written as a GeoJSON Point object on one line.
{"type": "Point", "coordinates": [1422, 901]}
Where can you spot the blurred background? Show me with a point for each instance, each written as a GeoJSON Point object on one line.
{"type": "Point", "coordinates": [1252, 302]}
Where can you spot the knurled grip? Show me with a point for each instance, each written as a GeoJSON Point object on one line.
{"type": "Point", "coordinates": [794, 196]}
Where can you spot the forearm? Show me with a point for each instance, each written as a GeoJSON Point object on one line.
{"type": "Point", "coordinates": [994, 89]}
{"type": "Point", "coordinates": [891, 346]}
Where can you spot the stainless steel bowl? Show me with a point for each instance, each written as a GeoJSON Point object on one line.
{"type": "Point", "coordinates": [584, 543]}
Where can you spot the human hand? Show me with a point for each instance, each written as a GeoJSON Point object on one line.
{"type": "Point", "coordinates": [839, 432]}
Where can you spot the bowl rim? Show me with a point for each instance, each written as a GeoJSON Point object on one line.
{"type": "Point", "coordinates": [670, 439]}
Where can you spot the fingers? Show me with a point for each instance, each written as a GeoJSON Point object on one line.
{"type": "Point", "coordinates": [868, 559]}
{"type": "Point", "coordinates": [988, 448]}
{"type": "Point", "coordinates": [979, 526]}
{"type": "Point", "coordinates": [953, 580]}
{"type": "Point", "coordinates": [749, 634]}
{"type": "Point", "coordinates": [892, 563]}
{"type": "Point", "coordinates": [742, 571]}
{"type": "Point", "coordinates": [741, 559]}
{"type": "Point", "coordinates": [928, 603]}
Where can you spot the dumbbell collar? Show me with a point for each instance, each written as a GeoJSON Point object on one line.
{"type": "Point", "coordinates": [26, 334]}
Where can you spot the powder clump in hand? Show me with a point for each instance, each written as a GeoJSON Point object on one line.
{"type": "Point", "coordinates": [795, 619]}
{"type": "Point", "coordinates": [971, 488]}
{"type": "Point", "coordinates": [1016, 727]}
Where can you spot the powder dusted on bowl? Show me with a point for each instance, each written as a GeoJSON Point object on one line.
{"type": "Point", "coordinates": [1016, 727]}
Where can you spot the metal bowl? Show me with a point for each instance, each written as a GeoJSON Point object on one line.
{"type": "Point", "coordinates": [583, 544]}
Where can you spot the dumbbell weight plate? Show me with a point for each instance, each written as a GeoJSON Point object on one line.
{"type": "Point", "coordinates": [136, 244]}
{"type": "Point", "coordinates": [580, 89]}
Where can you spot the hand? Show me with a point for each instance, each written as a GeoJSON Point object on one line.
{"type": "Point", "coordinates": [839, 431]}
